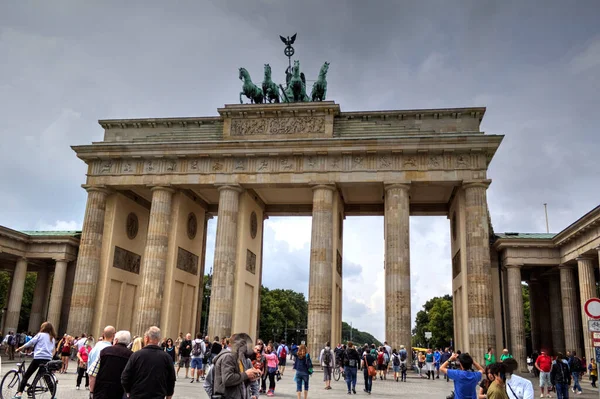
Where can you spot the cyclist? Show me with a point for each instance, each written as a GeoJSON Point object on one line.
{"type": "Point", "coordinates": [43, 344]}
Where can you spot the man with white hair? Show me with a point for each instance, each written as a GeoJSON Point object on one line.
{"type": "Point", "coordinates": [105, 371]}
{"type": "Point", "coordinates": [149, 373]}
{"type": "Point", "coordinates": [107, 340]}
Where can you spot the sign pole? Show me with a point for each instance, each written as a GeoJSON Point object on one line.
{"type": "Point", "coordinates": [592, 309]}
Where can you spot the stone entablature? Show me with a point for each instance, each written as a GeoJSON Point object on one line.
{"type": "Point", "coordinates": [39, 246]}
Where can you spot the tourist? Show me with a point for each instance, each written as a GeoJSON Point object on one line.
{"type": "Point", "coordinates": [575, 366]}
{"type": "Point", "coordinates": [497, 389]}
{"type": "Point", "coordinates": [81, 342]}
{"type": "Point", "coordinates": [43, 344]}
{"type": "Point", "coordinates": [543, 363]}
{"type": "Point", "coordinates": [105, 372]}
{"type": "Point", "coordinates": [171, 350]}
{"type": "Point", "coordinates": [215, 349]}
{"type": "Point", "coordinates": [177, 343]}
{"type": "Point", "coordinates": [465, 380]}
{"type": "Point", "coordinates": [137, 344]}
{"type": "Point", "coordinates": [303, 366]}
{"type": "Point", "coordinates": [560, 377]}
{"type": "Point", "coordinates": [198, 350]}
{"type": "Point", "coordinates": [368, 366]}
{"type": "Point", "coordinates": [149, 372]}
{"type": "Point", "coordinates": [11, 343]}
{"type": "Point", "coordinates": [505, 355]}
{"type": "Point", "coordinates": [437, 354]}
{"type": "Point", "coordinates": [260, 363]}
{"type": "Point", "coordinates": [272, 363]}
{"type": "Point", "coordinates": [489, 357]}
{"type": "Point", "coordinates": [485, 383]}
{"type": "Point", "coordinates": [429, 364]}
{"type": "Point", "coordinates": [517, 387]}
{"type": "Point", "coordinates": [282, 352]}
{"type": "Point", "coordinates": [64, 348]}
{"type": "Point", "coordinates": [444, 358]}
{"type": "Point", "coordinates": [185, 350]}
{"type": "Point", "coordinates": [108, 336]}
{"type": "Point", "coordinates": [396, 364]}
{"type": "Point", "coordinates": [294, 350]}
{"type": "Point", "coordinates": [82, 363]}
{"type": "Point", "coordinates": [233, 376]}
{"type": "Point", "coordinates": [327, 359]}
{"type": "Point", "coordinates": [403, 355]}
{"type": "Point", "coordinates": [593, 369]}
{"type": "Point", "coordinates": [351, 360]}
{"type": "Point", "coordinates": [380, 362]}
{"type": "Point", "coordinates": [421, 363]}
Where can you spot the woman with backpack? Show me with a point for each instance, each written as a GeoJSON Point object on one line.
{"type": "Point", "coordinates": [303, 366]}
{"type": "Point", "coordinates": [381, 366]}
{"type": "Point", "coordinates": [395, 364]}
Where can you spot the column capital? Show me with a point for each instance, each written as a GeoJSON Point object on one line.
{"type": "Point", "coordinates": [513, 266]}
{"type": "Point", "coordinates": [326, 186]}
{"type": "Point", "coordinates": [166, 188]}
{"type": "Point", "coordinates": [476, 183]}
{"type": "Point", "coordinates": [232, 187]}
{"type": "Point", "coordinates": [566, 266]}
{"type": "Point", "coordinates": [584, 257]}
{"type": "Point", "coordinates": [61, 259]}
{"type": "Point", "coordinates": [98, 188]}
{"type": "Point", "coordinates": [401, 185]}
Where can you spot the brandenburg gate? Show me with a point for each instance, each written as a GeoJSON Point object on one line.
{"type": "Point", "coordinates": [153, 184]}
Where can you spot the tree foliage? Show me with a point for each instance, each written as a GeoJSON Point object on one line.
{"type": "Point", "coordinates": [436, 317]}
{"type": "Point", "coordinates": [358, 337]}
{"type": "Point", "coordinates": [282, 311]}
{"type": "Point", "coordinates": [27, 300]}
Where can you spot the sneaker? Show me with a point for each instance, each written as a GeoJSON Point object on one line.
{"type": "Point", "coordinates": [77, 387]}
{"type": "Point", "coordinates": [548, 396]}
{"type": "Point", "coordinates": [349, 393]}
{"type": "Point", "coordinates": [541, 395]}
{"type": "Point", "coordinates": [192, 381]}
{"type": "Point", "coordinates": [579, 392]}
{"type": "Point", "coordinates": [270, 393]}
{"type": "Point", "coordinates": [354, 391]}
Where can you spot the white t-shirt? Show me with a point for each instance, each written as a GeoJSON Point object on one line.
{"type": "Point", "coordinates": [81, 343]}
{"type": "Point", "coordinates": [519, 388]}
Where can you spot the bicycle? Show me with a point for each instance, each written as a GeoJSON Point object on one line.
{"type": "Point", "coordinates": [337, 373]}
{"type": "Point", "coordinates": [43, 385]}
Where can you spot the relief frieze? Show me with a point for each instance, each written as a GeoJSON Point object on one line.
{"type": "Point", "coordinates": [126, 260]}
{"type": "Point", "coordinates": [187, 261]}
{"type": "Point", "coordinates": [278, 126]}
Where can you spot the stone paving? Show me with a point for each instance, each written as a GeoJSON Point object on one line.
{"type": "Point", "coordinates": [414, 387]}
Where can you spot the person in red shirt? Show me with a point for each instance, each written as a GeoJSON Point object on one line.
{"type": "Point", "coordinates": [82, 357]}
{"type": "Point", "coordinates": [544, 365]}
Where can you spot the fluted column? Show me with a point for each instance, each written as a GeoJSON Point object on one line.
{"type": "Point", "coordinates": [587, 290]}
{"type": "Point", "coordinates": [570, 306]}
{"type": "Point", "coordinates": [154, 262]}
{"type": "Point", "coordinates": [397, 265]}
{"type": "Point", "coordinates": [556, 318]}
{"type": "Point", "coordinates": [87, 270]}
{"type": "Point", "coordinates": [39, 297]}
{"type": "Point", "coordinates": [57, 293]}
{"type": "Point", "coordinates": [534, 313]}
{"type": "Point", "coordinates": [517, 317]}
{"type": "Point", "coordinates": [321, 272]}
{"type": "Point", "coordinates": [16, 296]}
{"type": "Point", "coordinates": [220, 316]}
{"type": "Point", "coordinates": [480, 310]}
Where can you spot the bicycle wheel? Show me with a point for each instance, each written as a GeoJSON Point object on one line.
{"type": "Point", "coordinates": [44, 388]}
{"type": "Point", "coordinates": [336, 373]}
{"type": "Point", "coordinates": [10, 385]}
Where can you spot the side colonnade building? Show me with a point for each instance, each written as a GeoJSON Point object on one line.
{"type": "Point", "coordinates": [153, 184]}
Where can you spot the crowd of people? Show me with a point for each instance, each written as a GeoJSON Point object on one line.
{"type": "Point", "coordinates": [118, 364]}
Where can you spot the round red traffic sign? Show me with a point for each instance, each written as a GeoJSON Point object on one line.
{"type": "Point", "coordinates": [592, 308]}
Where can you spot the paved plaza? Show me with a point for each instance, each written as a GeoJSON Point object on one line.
{"type": "Point", "coordinates": [414, 387]}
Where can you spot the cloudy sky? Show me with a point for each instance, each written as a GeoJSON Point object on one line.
{"type": "Point", "coordinates": [535, 65]}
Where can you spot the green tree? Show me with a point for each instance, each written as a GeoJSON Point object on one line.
{"type": "Point", "coordinates": [358, 337]}
{"type": "Point", "coordinates": [436, 317]}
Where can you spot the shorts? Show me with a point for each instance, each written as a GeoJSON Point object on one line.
{"type": "Point", "coordinates": [184, 361]}
{"type": "Point", "coordinates": [301, 378]}
{"type": "Point", "coordinates": [396, 369]}
{"type": "Point", "coordinates": [326, 373]}
{"type": "Point", "coordinates": [429, 366]}
{"type": "Point", "coordinates": [381, 367]}
{"type": "Point", "coordinates": [197, 363]}
{"type": "Point", "coordinates": [282, 361]}
{"type": "Point", "coordinates": [65, 354]}
{"type": "Point", "coordinates": [545, 379]}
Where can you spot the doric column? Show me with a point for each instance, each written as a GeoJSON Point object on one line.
{"type": "Point", "coordinates": [321, 272]}
{"type": "Point", "coordinates": [155, 260]}
{"type": "Point", "coordinates": [587, 290]}
{"type": "Point", "coordinates": [87, 270]}
{"type": "Point", "coordinates": [57, 293]}
{"type": "Point", "coordinates": [397, 265]}
{"type": "Point", "coordinates": [534, 313]}
{"type": "Point", "coordinates": [556, 318]}
{"type": "Point", "coordinates": [480, 309]}
{"type": "Point", "coordinates": [517, 317]}
{"type": "Point", "coordinates": [224, 264]}
{"type": "Point", "coordinates": [16, 296]}
{"type": "Point", "coordinates": [39, 297]}
{"type": "Point", "coordinates": [570, 307]}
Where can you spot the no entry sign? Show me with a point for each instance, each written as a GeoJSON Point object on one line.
{"type": "Point", "coordinates": [592, 308]}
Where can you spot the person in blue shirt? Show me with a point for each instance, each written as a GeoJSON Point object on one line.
{"type": "Point", "coordinates": [436, 357]}
{"type": "Point", "coordinates": [465, 380]}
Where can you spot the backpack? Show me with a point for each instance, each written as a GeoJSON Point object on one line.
{"type": "Point", "coordinates": [21, 339]}
{"type": "Point", "coordinates": [11, 340]}
{"type": "Point", "coordinates": [326, 357]}
{"type": "Point", "coordinates": [386, 358]}
{"type": "Point", "coordinates": [395, 360]}
{"type": "Point", "coordinates": [283, 352]}
{"type": "Point", "coordinates": [403, 356]}
{"type": "Point", "coordinates": [197, 349]}
{"type": "Point", "coordinates": [380, 358]}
